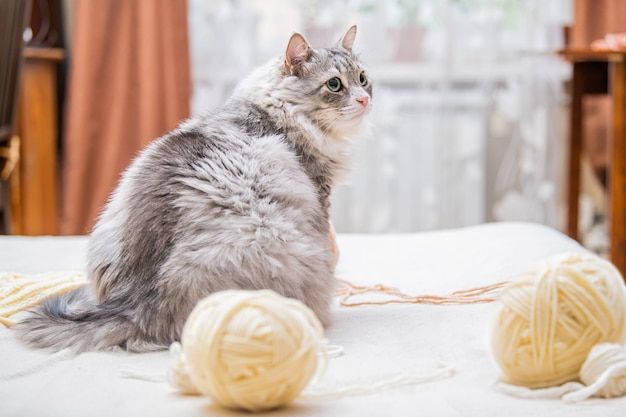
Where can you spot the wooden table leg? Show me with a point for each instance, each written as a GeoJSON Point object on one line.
{"type": "Point", "coordinates": [575, 145]}
{"type": "Point", "coordinates": [617, 169]}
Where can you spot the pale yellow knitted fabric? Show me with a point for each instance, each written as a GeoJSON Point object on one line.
{"type": "Point", "coordinates": [21, 291]}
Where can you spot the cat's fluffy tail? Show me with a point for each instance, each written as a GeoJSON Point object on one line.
{"type": "Point", "coordinates": [74, 321]}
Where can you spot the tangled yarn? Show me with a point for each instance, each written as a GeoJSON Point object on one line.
{"type": "Point", "coordinates": [606, 363]}
{"type": "Point", "coordinates": [603, 373]}
{"type": "Point", "coordinates": [347, 291]}
{"type": "Point", "coordinates": [252, 350]}
{"type": "Point", "coordinates": [549, 319]}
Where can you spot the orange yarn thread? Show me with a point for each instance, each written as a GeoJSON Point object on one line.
{"type": "Point", "coordinates": [479, 295]}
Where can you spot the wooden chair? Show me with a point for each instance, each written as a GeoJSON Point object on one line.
{"type": "Point", "coordinates": [14, 18]}
{"type": "Point", "coordinates": [600, 72]}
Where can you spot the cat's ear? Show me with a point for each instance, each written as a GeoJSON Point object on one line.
{"type": "Point", "coordinates": [298, 52]}
{"type": "Point", "coordinates": [348, 39]}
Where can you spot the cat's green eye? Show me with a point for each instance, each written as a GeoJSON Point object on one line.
{"type": "Point", "coordinates": [334, 84]}
{"type": "Point", "coordinates": [363, 79]}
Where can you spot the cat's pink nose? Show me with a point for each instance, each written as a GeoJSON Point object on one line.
{"type": "Point", "coordinates": [363, 100]}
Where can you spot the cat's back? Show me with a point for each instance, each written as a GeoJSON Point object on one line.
{"type": "Point", "coordinates": [230, 171]}
{"type": "Point", "coordinates": [237, 151]}
{"type": "Point", "coordinates": [221, 135]}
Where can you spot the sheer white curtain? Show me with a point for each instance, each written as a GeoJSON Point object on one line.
{"type": "Point", "coordinates": [468, 118]}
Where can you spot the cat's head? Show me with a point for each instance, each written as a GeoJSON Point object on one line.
{"type": "Point", "coordinates": [330, 85]}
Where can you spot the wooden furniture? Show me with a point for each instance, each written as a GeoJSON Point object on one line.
{"type": "Point", "coordinates": [14, 16]}
{"type": "Point", "coordinates": [600, 72]}
{"type": "Point", "coordinates": [33, 184]}
{"type": "Point", "coordinates": [13, 20]}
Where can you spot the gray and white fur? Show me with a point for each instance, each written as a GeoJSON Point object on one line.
{"type": "Point", "coordinates": [236, 199]}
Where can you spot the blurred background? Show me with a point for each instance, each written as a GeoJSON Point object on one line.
{"type": "Point", "coordinates": [469, 124]}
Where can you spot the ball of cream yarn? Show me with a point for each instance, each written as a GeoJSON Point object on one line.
{"type": "Point", "coordinates": [548, 319]}
{"type": "Point", "coordinates": [252, 350]}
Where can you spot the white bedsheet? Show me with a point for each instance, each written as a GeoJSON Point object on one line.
{"type": "Point", "coordinates": [379, 342]}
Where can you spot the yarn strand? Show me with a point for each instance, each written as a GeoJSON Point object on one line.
{"type": "Point", "coordinates": [444, 371]}
{"type": "Point", "coordinates": [6, 322]}
{"type": "Point", "coordinates": [40, 365]}
{"type": "Point", "coordinates": [479, 295]}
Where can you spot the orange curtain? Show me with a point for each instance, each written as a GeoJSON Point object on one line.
{"type": "Point", "coordinates": [129, 82]}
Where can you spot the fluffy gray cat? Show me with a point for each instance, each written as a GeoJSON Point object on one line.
{"type": "Point", "coordinates": [236, 199]}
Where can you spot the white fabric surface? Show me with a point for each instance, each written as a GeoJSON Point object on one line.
{"type": "Point", "coordinates": [379, 341]}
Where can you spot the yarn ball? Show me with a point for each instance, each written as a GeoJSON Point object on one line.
{"type": "Point", "coordinates": [549, 318]}
{"type": "Point", "coordinates": [251, 350]}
